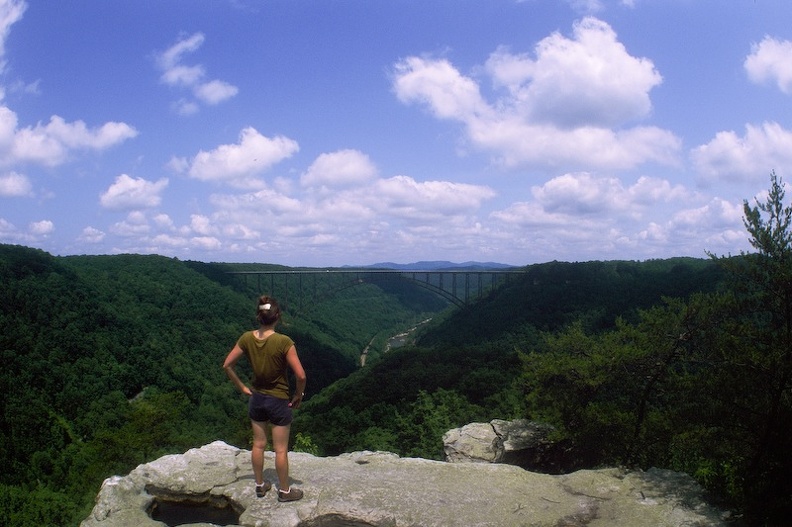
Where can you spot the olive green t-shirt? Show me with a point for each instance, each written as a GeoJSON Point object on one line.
{"type": "Point", "coordinates": [268, 360]}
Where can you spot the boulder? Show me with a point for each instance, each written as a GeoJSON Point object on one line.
{"type": "Point", "coordinates": [472, 443]}
{"type": "Point", "coordinates": [520, 442]}
{"type": "Point", "coordinates": [382, 489]}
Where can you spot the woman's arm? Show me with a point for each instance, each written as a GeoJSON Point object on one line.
{"type": "Point", "coordinates": [229, 365]}
{"type": "Point", "coordinates": [299, 374]}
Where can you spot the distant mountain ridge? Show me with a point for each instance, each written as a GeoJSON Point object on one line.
{"type": "Point", "coordinates": [436, 266]}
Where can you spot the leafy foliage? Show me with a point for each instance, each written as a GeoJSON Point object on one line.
{"type": "Point", "coordinates": [551, 296]}
{"type": "Point", "coordinates": [701, 385]}
{"type": "Point", "coordinates": [111, 361]}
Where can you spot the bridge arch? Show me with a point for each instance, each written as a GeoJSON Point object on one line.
{"type": "Point", "coordinates": [369, 278]}
{"type": "Point", "coordinates": [459, 287]}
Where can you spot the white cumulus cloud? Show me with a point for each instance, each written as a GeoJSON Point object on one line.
{"type": "Point", "coordinates": [771, 61]}
{"type": "Point", "coordinates": [192, 77]}
{"type": "Point", "coordinates": [584, 215]}
{"type": "Point", "coordinates": [201, 224]}
{"type": "Point", "coordinates": [440, 86]}
{"type": "Point", "coordinates": [403, 196]}
{"type": "Point", "coordinates": [133, 193]}
{"type": "Point", "coordinates": [572, 105]}
{"type": "Point", "coordinates": [14, 184]}
{"type": "Point", "coordinates": [749, 158]}
{"type": "Point", "coordinates": [91, 235]}
{"type": "Point", "coordinates": [11, 11]}
{"type": "Point", "coordinates": [364, 214]}
{"type": "Point", "coordinates": [341, 168]}
{"type": "Point", "coordinates": [52, 144]}
{"type": "Point", "coordinates": [587, 80]}
{"type": "Point", "coordinates": [239, 163]}
{"type": "Point", "coordinates": [215, 92]}
{"type": "Point", "coordinates": [42, 227]}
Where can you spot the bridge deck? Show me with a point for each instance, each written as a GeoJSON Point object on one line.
{"type": "Point", "coordinates": [457, 286]}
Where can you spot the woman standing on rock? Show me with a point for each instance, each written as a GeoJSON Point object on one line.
{"type": "Point", "coordinates": [270, 354]}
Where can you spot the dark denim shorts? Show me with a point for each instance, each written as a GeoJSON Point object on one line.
{"type": "Point", "coordinates": [266, 408]}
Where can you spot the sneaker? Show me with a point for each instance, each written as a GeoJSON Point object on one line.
{"type": "Point", "coordinates": [290, 495]}
{"type": "Point", "coordinates": [261, 490]}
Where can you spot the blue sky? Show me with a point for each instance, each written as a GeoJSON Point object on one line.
{"type": "Point", "coordinates": [329, 132]}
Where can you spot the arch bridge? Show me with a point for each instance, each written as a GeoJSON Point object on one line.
{"type": "Point", "coordinates": [316, 285]}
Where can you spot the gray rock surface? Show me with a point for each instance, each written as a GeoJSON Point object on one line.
{"type": "Point", "coordinates": [520, 442]}
{"type": "Point", "coordinates": [472, 443]}
{"type": "Point", "coordinates": [383, 490]}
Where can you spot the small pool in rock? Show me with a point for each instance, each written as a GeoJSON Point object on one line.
{"type": "Point", "coordinates": [173, 513]}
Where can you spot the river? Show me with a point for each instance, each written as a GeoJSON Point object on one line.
{"type": "Point", "coordinates": [395, 341]}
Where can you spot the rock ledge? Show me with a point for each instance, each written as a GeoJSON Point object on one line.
{"type": "Point", "coordinates": [381, 489]}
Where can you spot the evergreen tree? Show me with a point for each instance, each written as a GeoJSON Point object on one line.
{"type": "Point", "coordinates": [754, 354]}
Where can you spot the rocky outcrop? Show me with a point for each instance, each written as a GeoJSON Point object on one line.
{"type": "Point", "coordinates": [381, 489]}
{"type": "Point", "coordinates": [521, 442]}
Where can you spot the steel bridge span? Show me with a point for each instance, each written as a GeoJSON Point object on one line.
{"type": "Point", "coordinates": [316, 285]}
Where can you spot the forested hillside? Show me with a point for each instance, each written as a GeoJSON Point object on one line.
{"type": "Point", "coordinates": [682, 363]}
{"type": "Point", "coordinates": [466, 365]}
{"type": "Point", "coordinates": [111, 361]}
{"type": "Point", "coordinates": [679, 364]}
{"type": "Point", "coordinates": [550, 296]}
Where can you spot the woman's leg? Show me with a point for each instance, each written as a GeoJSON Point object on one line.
{"type": "Point", "coordinates": [280, 443]}
{"type": "Point", "coordinates": [259, 445]}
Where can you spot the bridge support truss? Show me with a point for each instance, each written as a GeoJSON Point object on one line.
{"type": "Point", "coordinates": [303, 286]}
